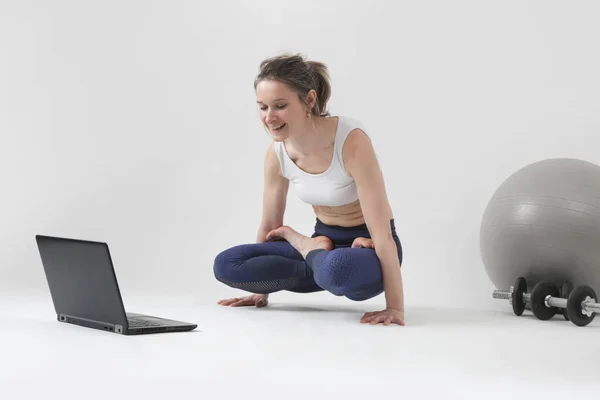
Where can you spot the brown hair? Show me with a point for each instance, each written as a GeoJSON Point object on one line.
{"type": "Point", "coordinates": [301, 76]}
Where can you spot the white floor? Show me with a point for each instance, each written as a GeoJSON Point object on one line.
{"type": "Point", "coordinates": [300, 347]}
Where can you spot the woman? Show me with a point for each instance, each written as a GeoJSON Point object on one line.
{"type": "Point", "coordinates": [354, 251]}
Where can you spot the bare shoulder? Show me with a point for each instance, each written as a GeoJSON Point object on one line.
{"type": "Point", "coordinates": [272, 165]}
{"type": "Point", "coordinates": [361, 163]}
{"type": "Point", "coordinates": [358, 150]}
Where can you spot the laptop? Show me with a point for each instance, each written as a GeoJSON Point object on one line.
{"type": "Point", "coordinates": [85, 292]}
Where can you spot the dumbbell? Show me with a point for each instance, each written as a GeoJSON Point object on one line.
{"type": "Point", "coordinates": [516, 295]}
{"type": "Point", "coordinates": [549, 289]}
{"type": "Point", "coordinates": [580, 306]}
{"type": "Point", "coordinates": [519, 298]}
{"type": "Point", "coordinates": [565, 292]}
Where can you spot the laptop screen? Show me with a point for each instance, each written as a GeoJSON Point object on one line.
{"type": "Point", "coordinates": [81, 279]}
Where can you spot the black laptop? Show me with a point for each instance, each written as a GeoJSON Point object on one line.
{"type": "Point", "coordinates": [85, 292]}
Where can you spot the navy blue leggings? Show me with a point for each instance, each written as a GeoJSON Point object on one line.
{"type": "Point", "coordinates": [273, 266]}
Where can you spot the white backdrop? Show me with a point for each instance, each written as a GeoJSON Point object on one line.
{"type": "Point", "coordinates": [135, 123]}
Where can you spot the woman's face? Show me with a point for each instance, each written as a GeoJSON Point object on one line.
{"type": "Point", "coordinates": [280, 108]}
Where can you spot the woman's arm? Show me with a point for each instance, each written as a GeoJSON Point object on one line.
{"type": "Point", "coordinates": [275, 192]}
{"type": "Point", "coordinates": [361, 163]}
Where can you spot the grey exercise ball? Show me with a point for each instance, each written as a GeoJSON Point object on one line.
{"type": "Point", "coordinates": [543, 223]}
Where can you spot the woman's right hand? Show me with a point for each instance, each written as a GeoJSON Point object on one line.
{"type": "Point", "coordinates": [257, 300]}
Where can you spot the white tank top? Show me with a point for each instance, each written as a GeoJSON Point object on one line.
{"type": "Point", "coordinates": [334, 187]}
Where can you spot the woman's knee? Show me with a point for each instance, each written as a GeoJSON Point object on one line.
{"type": "Point", "coordinates": [224, 265]}
{"type": "Point", "coordinates": [344, 269]}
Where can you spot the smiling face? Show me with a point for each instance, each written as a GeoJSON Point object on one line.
{"type": "Point", "coordinates": [281, 110]}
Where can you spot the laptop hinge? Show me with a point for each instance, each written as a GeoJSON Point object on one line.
{"type": "Point", "coordinates": [90, 323]}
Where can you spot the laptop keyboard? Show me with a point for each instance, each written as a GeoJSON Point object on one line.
{"type": "Point", "coordinates": [134, 322]}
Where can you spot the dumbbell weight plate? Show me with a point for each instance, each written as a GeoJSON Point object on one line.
{"type": "Point", "coordinates": [518, 305]}
{"type": "Point", "coordinates": [577, 296]}
{"type": "Point", "coordinates": [565, 291]}
{"type": "Point", "coordinates": [538, 300]}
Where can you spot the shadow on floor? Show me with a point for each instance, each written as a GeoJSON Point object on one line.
{"type": "Point", "coordinates": [425, 315]}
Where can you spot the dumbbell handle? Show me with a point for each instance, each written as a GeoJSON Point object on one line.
{"type": "Point", "coordinates": [550, 301]}
{"type": "Point", "coordinates": [506, 295]}
{"type": "Point", "coordinates": [589, 305]}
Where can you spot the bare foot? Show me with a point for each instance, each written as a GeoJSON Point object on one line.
{"type": "Point", "coordinates": [257, 300]}
{"type": "Point", "coordinates": [303, 244]}
{"type": "Point", "coordinates": [363, 242]}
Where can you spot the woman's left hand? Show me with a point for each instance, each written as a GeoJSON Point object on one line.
{"type": "Point", "coordinates": [386, 317]}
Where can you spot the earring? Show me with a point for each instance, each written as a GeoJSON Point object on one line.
{"type": "Point", "coordinates": [308, 114]}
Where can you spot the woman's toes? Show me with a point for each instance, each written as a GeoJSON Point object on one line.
{"type": "Point", "coordinates": [274, 234]}
{"type": "Point", "coordinates": [363, 242]}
